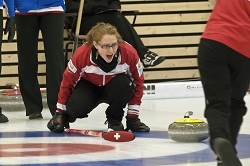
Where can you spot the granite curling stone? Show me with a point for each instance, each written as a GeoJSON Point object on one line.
{"type": "Point", "coordinates": [44, 97]}
{"type": "Point", "coordinates": [11, 99]}
{"type": "Point", "coordinates": [188, 130]}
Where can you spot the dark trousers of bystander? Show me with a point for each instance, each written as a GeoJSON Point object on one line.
{"type": "Point", "coordinates": [1, 36]}
{"type": "Point", "coordinates": [52, 27]}
{"type": "Point", "coordinates": [3, 118]}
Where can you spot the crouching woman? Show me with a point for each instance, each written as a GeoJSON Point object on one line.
{"type": "Point", "coordinates": [103, 70]}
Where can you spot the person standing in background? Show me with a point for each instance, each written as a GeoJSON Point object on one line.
{"type": "Point", "coordinates": [10, 30]}
{"type": "Point", "coordinates": [108, 11]}
{"type": "Point", "coordinates": [32, 16]}
{"type": "Point", "coordinates": [224, 66]}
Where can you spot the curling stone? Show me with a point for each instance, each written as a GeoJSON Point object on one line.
{"type": "Point", "coordinates": [44, 97]}
{"type": "Point", "coordinates": [11, 99]}
{"type": "Point", "coordinates": [188, 130]}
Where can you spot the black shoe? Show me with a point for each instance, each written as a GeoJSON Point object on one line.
{"type": "Point", "coordinates": [135, 124]}
{"type": "Point", "coordinates": [3, 118]}
{"type": "Point", "coordinates": [115, 125]}
{"type": "Point", "coordinates": [225, 151]}
{"type": "Point", "coordinates": [152, 59]}
{"type": "Point", "coordinates": [35, 115]}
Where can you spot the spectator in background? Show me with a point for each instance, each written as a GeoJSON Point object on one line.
{"type": "Point", "coordinates": [10, 30]}
{"type": "Point", "coordinates": [224, 65]}
{"type": "Point", "coordinates": [32, 16]}
{"type": "Point", "coordinates": [108, 11]}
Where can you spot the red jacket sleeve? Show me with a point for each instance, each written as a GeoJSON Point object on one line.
{"type": "Point", "coordinates": [136, 72]}
{"type": "Point", "coordinates": [71, 76]}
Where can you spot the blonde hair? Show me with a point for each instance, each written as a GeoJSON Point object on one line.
{"type": "Point", "coordinates": [96, 33]}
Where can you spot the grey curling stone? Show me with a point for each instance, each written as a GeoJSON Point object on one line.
{"type": "Point", "coordinates": [44, 100]}
{"type": "Point", "coordinates": [188, 130]}
{"type": "Point", "coordinates": [12, 102]}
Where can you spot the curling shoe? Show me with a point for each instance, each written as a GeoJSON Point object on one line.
{"type": "Point", "coordinates": [152, 59]}
{"type": "Point", "coordinates": [135, 124]}
{"type": "Point", "coordinates": [115, 125]}
{"type": "Point", "coordinates": [3, 118]}
{"type": "Point", "coordinates": [225, 151]}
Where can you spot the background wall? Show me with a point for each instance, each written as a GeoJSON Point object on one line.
{"type": "Point", "coordinates": [171, 28]}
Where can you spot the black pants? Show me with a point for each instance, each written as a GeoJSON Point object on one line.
{"type": "Point", "coordinates": [225, 76]}
{"type": "Point", "coordinates": [87, 96]}
{"type": "Point", "coordinates": [1, 36]}
{"type": "Point", "coordinates": [125, 29]}
{"type": "Point", "coordinates": [52, 27]}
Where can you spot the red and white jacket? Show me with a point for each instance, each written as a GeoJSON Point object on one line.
{"type": "Point", "coordinates": [81, 66]}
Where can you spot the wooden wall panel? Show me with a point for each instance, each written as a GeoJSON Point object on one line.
{"type": "Point", "coordinates": [166, 6]}
{"type": "Point", "coordinates": [170, 18]}
{"type": "Point", "coordinates": [178, 40]}
{"type": "Point", "coordinates": [171, 74]}
{"type": "Point", "coordinates": [170, 28]}
{"type": "Point", "coordinates": [4, 80]}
